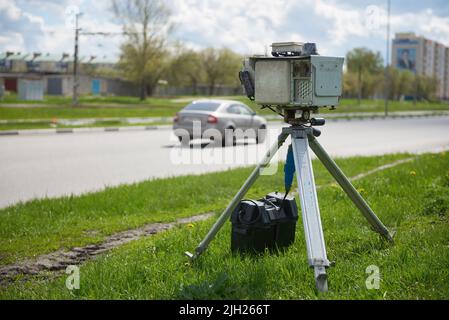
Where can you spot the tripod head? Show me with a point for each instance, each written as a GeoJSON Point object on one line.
{"type": "Point", "coordinates": [304, 119]}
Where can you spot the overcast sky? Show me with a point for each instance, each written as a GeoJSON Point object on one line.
{"type": "Point", "coordinates": [246, 26]}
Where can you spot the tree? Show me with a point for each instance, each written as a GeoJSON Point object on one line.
{"type": "Point", "coordinates": [350, 88]}
{"type": "Point", "coordinates": [427, 87]}
{"type": "Point", "coordinates": [186, 68]}
{"type": "Point", "coordinates": [143, 55]}
{"type": "Point", "coordinates": [366, 64]}
{"type": "Point", "coordinates": [221, 66]}
{"type": "Point", "coordinates": [401, 83]}
{"type": "Point", "coordinates": [405, 83]}
{"type": "Point", "coordinates": [231, 64]}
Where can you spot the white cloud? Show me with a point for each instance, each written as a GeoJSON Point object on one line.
{"type": "Point", "coordinates": [10, 10]}
{"type": "Point", "coordinates": [247, 26]}
{"type": "Point", "coordinates": [426, 23]}
{"type": "Point", "coordinates": [343, 26]}
{"type": "Point", "coordinates": [12, 41]}
{"type": "Point", "coordinates": [345, 22]}
{"type": "Point", "coordinates": [19, 29]}
{"type": "Point", "coordinates": [26, 31]}
{"type": "Point", "coordinates": [244, 25]}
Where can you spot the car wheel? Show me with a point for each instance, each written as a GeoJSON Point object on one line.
{"type": "Point", "coordinates": [225, 143]}
{"type": "Point", "coordinates": [261, 134]}
{"type": "Point", "coordinates": [185, 141]}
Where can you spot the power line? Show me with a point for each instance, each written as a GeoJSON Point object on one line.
{"type": "Point", "coordinates": [78, 33]}
{"type": "Point", "coordinates": [107, 34]}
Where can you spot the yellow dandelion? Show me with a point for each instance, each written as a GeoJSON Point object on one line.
{"type": "Point", "coordinates": [413, 173]}
{"type": "Point", "coordinates": [361, 191]}
{"type": "Point", "coordinates": [334, 185]}
{"type": "Point", "coordinates": [190, 226]}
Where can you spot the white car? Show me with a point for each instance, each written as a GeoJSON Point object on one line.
{"type": "Point", "coordinates": [225, 116]}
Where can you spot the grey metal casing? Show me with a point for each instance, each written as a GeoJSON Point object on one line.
{"type": "Point", "coordinates": [312, 81]}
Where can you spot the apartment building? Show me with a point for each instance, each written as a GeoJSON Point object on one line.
{"type": "Point", "coordinates": [422, 56]}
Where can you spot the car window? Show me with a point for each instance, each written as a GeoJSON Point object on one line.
{"type": "Point", "coordinates": [245, 111]}
{"type": "Point", "coordinates": [234, 109]}
{"type": "Point", "coordinates": [203, 106]}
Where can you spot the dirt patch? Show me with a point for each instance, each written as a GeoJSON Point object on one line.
{"type": "Point", "coordinates": [59, 260]}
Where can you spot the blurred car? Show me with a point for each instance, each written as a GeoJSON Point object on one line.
{"type": "Point", "coordinates": [220, 115]}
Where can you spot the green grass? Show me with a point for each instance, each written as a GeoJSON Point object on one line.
{"type": "Point", "coordinates": [352, 106]}
{"type": "Point", "coordinates": [84, 112]}
{"type": "Point", "coordinates": [90, 107]}
{"type": "Point", "coordinates": [87, 112]}
{"type": "Point", "coordinates": [122, 107]}
{"type": "Point", "coordinates": [87, 100]}
{"type": "Point", "coordinates": [411, 198]}
{"type": "Point", "coordinates": [42, 226]}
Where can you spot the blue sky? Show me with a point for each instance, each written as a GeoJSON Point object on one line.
{"type": "Point", "coordinates": [246, 26]}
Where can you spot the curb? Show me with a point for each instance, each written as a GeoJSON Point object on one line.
{"type": "Point", "coordinates": [83, 130]}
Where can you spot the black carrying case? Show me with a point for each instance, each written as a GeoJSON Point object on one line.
{"type": "Point", "coordinates": [268, 223]}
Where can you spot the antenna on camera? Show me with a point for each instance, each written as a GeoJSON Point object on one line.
{"type": "Point", "coordinates": [293, 49]}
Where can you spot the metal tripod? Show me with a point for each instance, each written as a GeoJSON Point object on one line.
{"type": "Point", "coordinates": [303, 137]}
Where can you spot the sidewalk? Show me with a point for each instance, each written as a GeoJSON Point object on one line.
{"type": "Point", "coordinates": [82, 122]}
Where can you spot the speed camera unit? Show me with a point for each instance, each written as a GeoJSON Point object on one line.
{"type": "Point", "coordinates": [294, 77]}
{"type": "Point", "coordinates": [294, 81]}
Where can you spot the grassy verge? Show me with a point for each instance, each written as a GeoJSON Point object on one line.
{"type": "Point", "coordinates": [352, 105]}
{"type": "Point", "coordinates": [90, 107]}
{"type": "Point", "coordinates": [89, 100]}
{"type": "Point", "coordinates": [122, 107]}
{"type": "Point", "coordinates": [411, 198]}
{"type": "Point", "coordinates": [42, 226]}
{"type": "Point", "coordinates": [49, 113]}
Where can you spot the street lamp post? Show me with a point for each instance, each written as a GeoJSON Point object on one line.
{"type": "Point", "coordinates": [75, 62]}
{"type": "Point", "coordinates": [387, 71]}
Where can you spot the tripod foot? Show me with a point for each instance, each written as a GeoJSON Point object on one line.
{"type": "Point", "coordinates": [191, 256]}
{"type": "Point", "coordinates": [321, 279]}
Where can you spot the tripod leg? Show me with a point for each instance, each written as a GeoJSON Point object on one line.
{"type": "Point", "coordinates": [346, 185]}
{"type": "Point", "coordinates": [237, 198]}
{"type": "Point", "coordinates": [313, 231]}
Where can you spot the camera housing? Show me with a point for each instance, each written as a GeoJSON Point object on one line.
{"type": "Point", "coordinates": [294, 78]}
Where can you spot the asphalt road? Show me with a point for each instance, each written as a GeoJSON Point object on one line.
{"type": "Point", "coordinates": [37, 166]}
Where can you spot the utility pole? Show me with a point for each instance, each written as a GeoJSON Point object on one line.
{"type": "Point", "coordinates": [75, 62]}
{"type": "Point", "coordinates": [78, 32]}
{"type": "Point", "coordinates": [387, 71]}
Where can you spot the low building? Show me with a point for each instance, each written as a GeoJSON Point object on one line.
{"type": "Point", "coordinates": [56, 73]}
{"type": "Point", "coordinates": [13, 62]}
{"type": "Point", "coordinates": [48, 63]}
{"type": "Point", "coordinates": [30, 89]}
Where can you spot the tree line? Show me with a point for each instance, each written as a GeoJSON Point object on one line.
{"type": "Point", "coordinates": [147, 57]}
{"type": "Point", "coordinates": [365, 78]}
